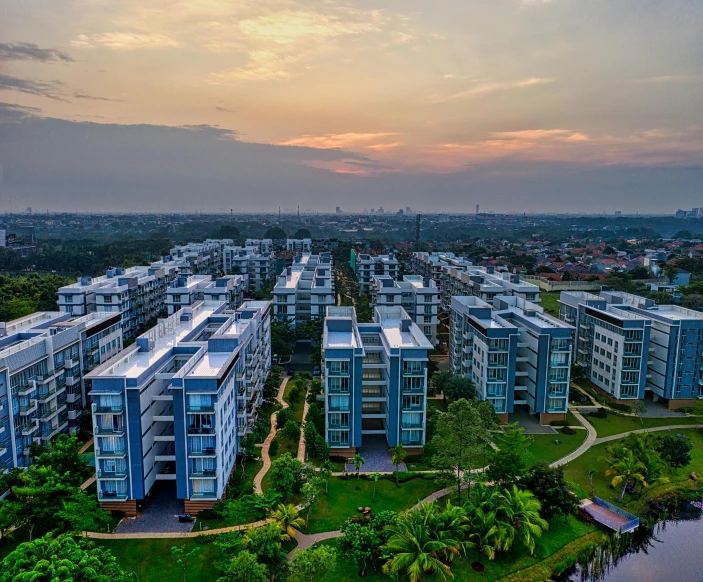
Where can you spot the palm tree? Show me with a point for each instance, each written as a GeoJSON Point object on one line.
{"type": "Point", "coordinates": [484, 533]}
{"type": "Point", "coordinates": [287, 519]}
{"type": "Point", "coordinates": [358, 461]}
{"type": "Point", "coordinates": [398, 455]}
{"type": "Point", "coordinates": [451, 528]}
{"type": "Point", "coordinates": [519, 510]}
{"type": "Point", "coordinates": [415, 549]}
{"type": "Point", "coordinates": [626, 470]}
{"type": "Point", "coordinates": [326, 472]}
{"type": "Point", "coordinates": [487, 498]}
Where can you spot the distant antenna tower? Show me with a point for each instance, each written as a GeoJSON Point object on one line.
{"type": "Point", "coordinates": [477, 209]}
{"type": "Point", "coordinates": [298, 210]}
{"type": "Point", "coordinates": [417, 232]}
{"type": "Point", "coordinates": [279, 214]}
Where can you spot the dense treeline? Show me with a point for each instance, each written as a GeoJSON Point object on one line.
{"type": "Point", "coordinates": [23, 295]}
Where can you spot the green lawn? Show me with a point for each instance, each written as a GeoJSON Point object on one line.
{"type": "Point", "coordinates": [550, 303]}
{"type": "Point", "coordinates": [505, 564]}
{"type": "Point", "coordinates": [544, 447]}
{"type": "Point", "coordinates": [151, 559]}
{"type": "Point", "coordinates": [284, 446]}
{"type": "Point", "coordinates": [576, 473]}
{"type": "Point", "coordinates": [332, 510]}
{"type": "Point", "coordinates": [617, 424]}
{"type": "Point", "coordinates": [296, 408]}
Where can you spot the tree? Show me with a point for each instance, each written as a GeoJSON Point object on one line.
{"type": "Point", "coordinates": [638, 408]}
{"type": "Point", "coordinates": [415, 549]}
{"type": "Point", "coordinates": [358, 461]}
{"type": "Point", "coordinates": [291, 431]}
{"type": "Point", "coordinates": [509, 464]}
{"type": "Point", "coordinates": [675, 452]}
{"type": "Point", "coordinates": [460, 387]}
{"type": "Point", "coordinates": [265, 543]}
{"type": "Point", "coordinates": [519, 510]}
{"type": "Point", "coordinates": [286, 519]}
{"type": "Point", "coordinates": [311, 563]}
{"type": "Point", "coordinates": [244, 567]}
{"type": "Point", "coordinates": [182, 557]}
{"type": "Point", "coordinates": [283, 417]}
{"type": "Point", "coordinates": [398, 454]}
{"type": "Point", "coordinates": [551, 490]}
{"type": "Point", "coordinates": [363, 538]}
{"type": "Point", "coordinates": [374, 477]}
{"type": "Point", "coordinates": [82, 512]}
{"type": "Point", "coordinates": [440, 380]}
{"type": "Point", "coordinates": [326, 472]}
{"type": "Point", "coordinates": [462, 436]}
{"type": "Point", "coordinates": [64, 458]}
{"type": "Point", "coordinates": [483, 533]}
{"type": "Point", "coordinates": [275, 233]}
{"type": "Point", "coordinates": [288, 475]}
{"type": "Point", "coordinates": [626, 470]}
{"type": "Point", "coordinates": [302, 233]}
{"type": "Point", "coordinates": [61, 558]}
{"type": "Point", "coordinates": [311, 490]}
{"type": "Point", "coordinates": [247, 448]}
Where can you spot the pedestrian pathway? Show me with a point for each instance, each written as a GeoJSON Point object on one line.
{"type": "Point", "coordinates": [306, 541]}
{"type": "Point", "coordinates": [301, 442]}
{"type": "Point", "coordinates": [266, 459]}
{"type": "Point", "coordinates": [587, 444]}
{"type": "Point", "coordinates": [622, 435]}
{"type": "Point", "coordinates": [86, 446]}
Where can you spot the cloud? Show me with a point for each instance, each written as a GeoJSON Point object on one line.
{"type": "Point", "coordinates": [81, 95]}
{"type": "Point", "coordinates": [225, 110]}
{"type": "Point", "coordinates": [50, 89]}
{"type": "Point", "coordinates": [382, 147]}
{"type": "Point", "coordinates": [262, 66]}
{"type": "Point", "coordinates": [27, 51]}
{"type": "Point", "coordinates": [483, 88]}
{"type": "Point", "coordinates": [337, 140]}
{"type": "Point", "coordinates": [14, 112]}
{"type": "Point", "coordinates": [124, 41]}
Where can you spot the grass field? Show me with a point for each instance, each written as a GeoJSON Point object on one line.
{"type": "Point", "coordinates": [332, 510]}
{"type": "Point", "coordinates": [544, 447]}
{"type": "Point", "coordinates": [616, 424]}
{"type": "Point", "coordinates": [576, 473]}
{"type": "Point", "coordinates": [505, 565]}
{"type": "Point", "coordinates": [550, 303]}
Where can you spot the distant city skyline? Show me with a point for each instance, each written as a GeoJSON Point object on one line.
{"type": "Point", "coordinates": [517, 105]}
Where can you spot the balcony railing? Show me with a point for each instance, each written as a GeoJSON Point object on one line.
{"type": "Point", "coordinates": [203, 474]}
{"type": "Point", "coordinates": [115, 453]}
{"type": "Point", "coordinates": [204, 452]}
{"type": "Point", "coordinates": [111, 496]}
{"type": "Point", "coordinates": [109, 431]}
{"type": "Point", "coordinates": [201, 430]}
{"type": "Point", "coordinates": [206, 408]}
{"type": "Point", "coordinates": [116, 409]}
{"type": "Point", "coordinates": [112, 475]}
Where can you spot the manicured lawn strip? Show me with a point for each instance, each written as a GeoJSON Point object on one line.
{"type": "Point", "coordinates": [576, 535]}
{"type": "Point", "coordinates": [284, 446]}
{"type": "Point", "coordinates": [151, 559]}
{"type": "Point", "coordinates": [330, 511]}
{"type": "Point", "coordinates": [544, 448]}
{"type": "Point", "coordinates": [550, 303]}
{"type": "Point", "coordinates": [617, 424]}
{"type": "Point", "coordinates": [576, 473]}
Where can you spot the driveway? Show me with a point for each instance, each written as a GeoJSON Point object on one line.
{"type": "Point", "coordinates": [160, 515]}
{"type": "Point", "coordinates": [300, 360]}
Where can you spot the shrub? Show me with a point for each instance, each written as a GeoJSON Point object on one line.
{"type": "Point", "coordinates": [283, 417]}
{"type": "Point", "coordinates": [207, 514]}
{"type": "Point", "coordinates": [273, 448]}
{"type": "Point", "coordinates": [600, 413]}
{"type": "Point", "coordinates": [291, 431]}
{"type": "Point", "coordinates": [568, 430]}
{"type": "Point", "coordinates": [207, 538]}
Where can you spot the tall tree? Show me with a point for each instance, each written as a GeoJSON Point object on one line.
{"type": "Point", "coordinates": [398, 454]}
{"type": "Point", "coordinates": [244, 567]}
{"type": "Point", "coordinates": [550, 488]}
{"type": "Point", "coordinates": [287, 519]}
{"type": "Point", "coordinates": [626, 470]}
{"type": "Point", "coordinates": [519, 510]}
{"type": "Point", "coordinates": [312, 563]}
{"type": "Point", "coordinates": [183, 557]}
{"type": "Point", "coordinates": [358, 460]}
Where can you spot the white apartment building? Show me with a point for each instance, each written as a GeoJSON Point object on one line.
{"type": "Point", "coordinates": [256, 268]}
{"type": "Point", "coordinates": [304, 290]}
{"type": "Point", "coordinates": [175, 406]}
{"type": "Point", "coordinates": [263, 246]}
{"type": "Point", "coordinates": [299, 245]}
{"type": "Point", "coordinates": [199, 258]}
{"type": "Point", "coordinates": [365, 266]}
{"type": "Point", "coordinates": [418, 295]}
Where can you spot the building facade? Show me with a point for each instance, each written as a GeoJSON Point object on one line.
{"type": "Point", "coordinates": [631, 348]}
{"type": "Point", "coordinates": [257, 269]}
{"type": "Point", "coordinates": [375, 380]}
{"type": "Point", "coordinates": [299, 245]}
{"type": "Point", "coordinates": [175, 405]}
{"type": "Point", "coordinates": [418, 295]}
{"type": "Point", "coordinates": [516, 355]}
{"type": "Point", "coordinates": [304, 290]}
{"type": "Point", "coordinates": [43, 359]}
{"type": "Point", "coordinates": [366, 266]}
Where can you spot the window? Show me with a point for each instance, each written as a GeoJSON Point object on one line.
{"type": "Point", "coordinates": [339, 367]}
{"type": "Point", "coordinates": [338, 384]}
{"type": "Point", "coordinates": [68, 298]}
{"type": "Point", "coordinates": [412, 368]}
{"type": "Point", "coordinates": [413, 383]}
{"type": "Point", "coordinates": [412, 401]}
{"type": "Point", "coordinates": [339, 419]}
{"type": "Point", "coordinates": [339, 437]}
{"type": "Point", "coordinates": [107, 299]}
{"type": "Point", "coordinates": [411, 437]}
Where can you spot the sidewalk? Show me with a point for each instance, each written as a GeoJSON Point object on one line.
{"type": "Point", "coordinates": [267, 442]}
{"type": "Point", "coordinates": [587, 444]}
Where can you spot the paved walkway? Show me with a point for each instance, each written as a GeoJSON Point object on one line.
{"type": "Point", "coordinates": [86, 446]}
{"type": "Point", "coordinates": [306, 541]}
{"type": "Point", "coordinates": [642, 430]}
{"type": "Point", "coordinates": [587, 444]}
{"type": "Point", "coordinates": [301, 442]}
{"type": "Point", "coordinates": [267, 442]}
{"type": "Point", "coordinates": [160, 514]}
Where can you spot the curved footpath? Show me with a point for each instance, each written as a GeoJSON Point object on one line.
{"type": "Point", "coordinates": [622, 435]}
{"type": "Point", "coordinates": [267, 442]}
{"type": "Point", "coordinates": [587, 444]}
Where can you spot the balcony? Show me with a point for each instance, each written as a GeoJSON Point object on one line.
{"type": "Point", "coordinates": [54, 431]}
{"type": "Point", "coordinates": [203, 474]}
{"type": "Point", "coordinates": [208, 408]}
{"type": "Point", "coordinates": [46, 395]}
{"type": "Point", "coordinates": [204, 495]}
{"type": "Point", "coordinates": [24, 389]}
{"type": "Point", "coordinates": [112, 431]}
{"type": "Point", "coordinates": [204, 452]}
{"type": "Point", "coordinates": [201, 429]}
{"type": "Point", "coordinates": [27, 409]}
{"type": "Point", "coordinates": [120, 475]}
{"type": "Point", "coordinates": [29, 430]}
{"type": "Point", "coordinates": [44, 378]}
{"type": "Point", "coordinates": [112, 454]}
{"type": "Point", "coordinates": [112, 496]}
{"type": "Point", "coordinates": [413, 389]}
{"type": "Point", "coordinates": [116, 409]}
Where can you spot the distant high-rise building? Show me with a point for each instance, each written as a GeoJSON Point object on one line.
{"type": "Point", "coordinates": [338, 210]}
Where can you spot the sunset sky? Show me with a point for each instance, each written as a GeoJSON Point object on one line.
{"type": "Point", "coordinates": [517, 104]}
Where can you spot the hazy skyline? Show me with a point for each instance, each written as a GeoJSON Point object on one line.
{"type": "Point", "coordinates": [538, 105]}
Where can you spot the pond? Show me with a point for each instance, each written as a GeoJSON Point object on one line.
{"type": "Point", "coordinates": [671, 550]}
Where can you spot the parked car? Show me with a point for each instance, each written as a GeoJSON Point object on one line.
{"type": "Point", "coordinates": [316, 371]}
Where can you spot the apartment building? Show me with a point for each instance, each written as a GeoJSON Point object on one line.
{"type": "Point", "coordinates": [175, 405]}
{"type": "Point", "coordinates": [518, 357]}
{"type": "Point", "coordinates": [632, 348]}
{"type": "Point", "coordinates": [256, 268]}
{"type": "Point", "coordinates": [455, 276]}
{"type": "Point", "coordinates": [43, 358]}
{"type": "Point", "coordinates": [263, 246]}
{"type": "Point", "coordinates": [375, 380]}
{"type": "Point", "coordinates": [198, 258]}
{"type": "Point", "coordinates": [365, 266]}
{"type": "Point", "coordinates": [305, 289]}
{"type": "Point", "coordinates": [299, 245]}
{"type": "Point", "coordinates": [418, 295]}
{"type": "Point", "coordinates": [187, 290]}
